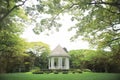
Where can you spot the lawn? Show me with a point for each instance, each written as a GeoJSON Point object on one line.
{"type": "Point", "coordinates": [60, 76]}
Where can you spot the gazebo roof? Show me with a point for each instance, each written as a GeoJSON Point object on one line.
{"type": "Point", "coordinates": [59, 51]}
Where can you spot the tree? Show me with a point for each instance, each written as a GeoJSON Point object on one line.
{"type": "Point", "coordinates": [8, 6]}
{"type": "Point", "coordinates": [100, 61]}
{"type": "Point", "coordinates": [95, 60]}
{"type": "Point", "coordinates": [11, 26]}
{"type": "Point", "coordinates": [97, 20]}
{"type": "Point", "coordinates": [80, 58]}
{"type": "Point", "coordinates": [39, 51]}
{"type": "Point", "coordinates": [11, 48]}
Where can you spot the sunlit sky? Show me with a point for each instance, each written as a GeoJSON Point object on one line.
{"type": "Point", "coordinates": [56, 38]}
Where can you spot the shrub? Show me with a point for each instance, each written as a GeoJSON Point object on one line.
{"type": "Point", "coordinates": [78, 71]}
{"type": "Point", "coordinates": [35, 69]}
{"type": "Point", "coordinates": [86, 70]}
{"type": "Point", "coordinates": [47, 72]}
{"type": "Point", "coordinates": [39, 72]}
{"type": "Point", "coordinates": [65, 72]}
{"type": "Point", "coordinates": [73, 72]}
{"type": "Point", "coordinates": [55, 72]}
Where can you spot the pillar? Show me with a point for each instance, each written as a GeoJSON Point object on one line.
{"type": "Point", "coordinates": [60, 62]}
{"type": "Point", "coordinates": [52, 62]}
{"type": "Point", "coordinates": [67, 63]}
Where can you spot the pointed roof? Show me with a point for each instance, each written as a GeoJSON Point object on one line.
{"type": "Point", "coordinates": [59, 51]}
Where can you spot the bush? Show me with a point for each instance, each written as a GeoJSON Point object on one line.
{"type": "Point", "coordinates": [78, 71]}
{"type": "Point", "coordinates": [55, 72]}
{"type": "Point", "coordinates": [73, 72]}
{"type": "Point", "coordinates": [39, 72]}
{"type": "Point", "coordinates": [47, 72]}
{"type": "Point", "coordinates": [65, 72]}
{"type": "Point", "coordinates": [35, 69]}
{"type": "Point", "coordinates": [86, 70]}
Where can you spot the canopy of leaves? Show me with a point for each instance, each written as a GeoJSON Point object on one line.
{"type": "Point", "coordinates": [11, 26]}
{"type": "Point", "coordinates": [39, 51]}
{"type": "Point", "coordinates": [95, 60]}
{"type": "Point", "coordinates": [38, 48]}
{"type": "Point", "coordinates": [97, 20]}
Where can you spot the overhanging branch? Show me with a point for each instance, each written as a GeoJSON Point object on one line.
{"type": "Point", "coordinates": [116, 39]}
{"type": "Point", "coordinates": [9, 11]}
{"type": "Point", "coordinates": [114, 28]}
{"type": "Point", "coordinates": [106, 3]}
{"type": "Point", "coordinates": [115, 4]}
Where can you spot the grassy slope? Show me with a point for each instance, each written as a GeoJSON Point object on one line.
{"type": "Point", "coordinates": [83, 76]}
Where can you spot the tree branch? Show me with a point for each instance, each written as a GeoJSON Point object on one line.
{"type": "Point", "coordinates": [8, 4]}
{"type": "Point", "coordinates": [110, 10]}
{"type": "Point", "coordinates": [73, 5]}
{"type": "Point", "coordinates": [115, 29]}
{"type": "Point", "coordinates": [9, 11]}
{"type": "Point", "coordinates": [113, 40]}
{"type": "Point", "coordinates": [110, 42]}
{"type": "Point", "coordinates": [106, 3]}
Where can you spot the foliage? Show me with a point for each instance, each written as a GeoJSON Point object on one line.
{"type": "Point", "coordinates": [97, 61]}
{"type": "Point", "coordinates": [38, 48]}
{"type": "Point", "coordinates": [11, 45]}
{"type": "Point", "coordinates": [11, 48]}
{"type": "Point", "coordinates": [39, 51]}
{"type": "Point", "coordinates": [10, 8]}
{"type": "Point", "coordinates": [97, 20]}
{"type": "Point", "coordinates": [38, 72]}
{"type": "Point", "coordinates": [79, 57]}
{"type": "Point", "coordinates": [86, 70]}
{"type": "Point", "coordinates": [55, 72]}
{"type": "Point", "coordinates": [65, 72]}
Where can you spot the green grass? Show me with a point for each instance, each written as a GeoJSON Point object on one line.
{"type": "Point", "coordinates": [70, 76]}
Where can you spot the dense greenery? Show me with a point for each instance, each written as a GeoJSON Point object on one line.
{"type": "Point", "coordinates": [98, 61]}
{"type": "Point", "coordinates": [83, 76]}
{"type": "Point", "coordinates": [11, 45]}
{"type": "Point", "coordinates": [13, 56]}
{"type": "Point", "coordinates": [39, 52]}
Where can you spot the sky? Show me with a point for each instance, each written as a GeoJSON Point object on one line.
{"type": "Point", "coordinates": [57, 38]}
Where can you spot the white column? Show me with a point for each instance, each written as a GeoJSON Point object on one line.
{"type": "Point", "coordinates": [67, 63]}
{"type": "Point", "coordinates": [52, 62]}
{"type": "Point", "coordinates": [58, 65]}
{"type": "Point", "coordinates": [60, 62]}
{"type": "Point", "coordinates": [61, 67]}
